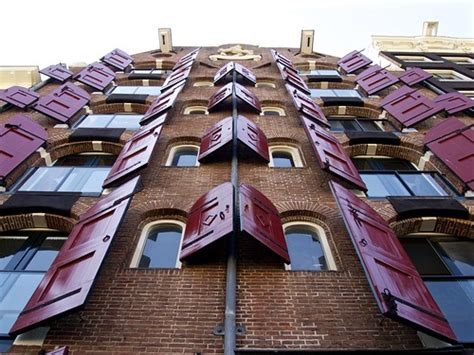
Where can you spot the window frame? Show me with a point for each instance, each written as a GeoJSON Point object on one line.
{"type": "Point", "coordinates": [265, 85]}
{"type": "Point", "coordinates": [83, 118]}
{"type": "Point", "coordinates": [178, 147]}
{"type": "Point", "coordinates": [279, 110]}
{"type": "Point", "coordinates": [203, 83]}
{"type": "Point", "coordinates": [189, 110]}
{"type": "Point", "coordinates": [137, 87]}
{"type": "Point", "coordinates": [295, 154]}
{"type": "Point", "coordinates": [357, 120]}
{"type": "Point", "coordinates": [458, 76]}
{"type": "Point", "coordinates": [334, 93]}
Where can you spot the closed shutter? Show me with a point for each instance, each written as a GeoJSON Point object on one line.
{"type": "Point", "coordinates": [96, 75]}
{"type": "Point", "coordinates": [353, 61]}
{"type": "Point", "coordinates": [118, 59]}
{"type": "Point", "coordinates": [57, 72]}
{"type": "Point", "coordinates": [18, 96]}
{"type": "Point", "coordinates": [375, 79]}
{"type": "Point", "coordinates": [414, 76]}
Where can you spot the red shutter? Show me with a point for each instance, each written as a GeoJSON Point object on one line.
{"type": "Point", "coordinates": [188, 59]}
{"type": "Point", "coordinates": [353, 61]}
{"type": "Point", "coordinates": [308, 107]}
{"type": "Point", "coordinates": [118, 59]}
{"type": "Point", "coordinates": [19, 138]}
{"type": "Point", "coordinates": [409, 107]}
{"type": "Point", "coordinates": [210, 219]}
{"type": "Point", "coordinates": [60, 351]}
{"type": "Point", "coordinates": [162, 104]}
{"type": "Point", "coordinates": [294, 80]}
{"type": "Point", "coordinates": [375, 79]}
{"type": "Point", "coordinates": [454, 102]}
{"type": "Point", "coordinates": [248, 97]}
{"type": "Point", "coordinates": [228, 68]}
{"type": "Point", "coordinates": [96, 75]}
{"type": "Point", "coordinates": [260, 219]}
{"type": "Point", "coordinates": [216, 138]}
{"type": "Point", "coordinates": [58, 72]}
{"type": "Point", "coordinates": [414, 76]}
{"type": "Point", "coordinates": [70, 278]}
{"type": "Point", "coordinates": [135, 154]}
{"type": "Point", "coordinates": [331, 155]}
{"type": "Point", "coordinates": [397, 286]}
{"type": "Point", "coordinates": [63, 102]}
{"type": "Point", "coordinates": [453, 142]}
{"type": "Point", "coordinates": [18, 96]}
{"type": "Point", "coordinates": [175, 78]}
{"type": "Point", "coordinates": [253, 137]}
{"type": "Point", "coordinates": [280, 59]}
{"type": "Point", "coordinates": [221, 95]}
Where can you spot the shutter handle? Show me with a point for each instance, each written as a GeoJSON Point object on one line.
{"type": "Point", "coordinates": [106, 238]}
{"type": "Point", "coordinates": [363, 242]}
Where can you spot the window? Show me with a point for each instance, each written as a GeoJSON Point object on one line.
{"type": "Point", "coordinates": [446, 265]}
{"type": "Point", "coordinates": [152, 72]}
{"type": "Point", "coordinates": [196, 110]}
{"type": "Point", "coordinates": [203, 84]}
{"type": "Point", "coordinates": [272, 111]}
{"type": "Point", "coordinates": [415, 58]}
{"type": "Point", "coordinates": [183, 156]}
{"type": "Point", "coordinates": [334, 93]}
{"type": "Point", "coordinates": [308, 247]}
{"type": "Point", "coordinates": [82, 173]}
{"type": "Point", "coordinates": [285, 157]}
{"type": "Point", "coordinates": [448, 75]}
{"type": "Point", "coordinates": [322, 72]}
{"type": "Point", "coordinates": [137, 90]}
{"type": "Point", "coordinates": [122, 120]}
{"type": "Point", "coordinates": [159, 245]}
{"type": "Point", "coordinates": [460, 60]}
{"type": "Point", "coordinates": [386, 176]}
{"type": "Point", "coordinates": [25, 256]}
{"type": "Point", "coordinates": [358, 124]}
{"type": "Point", "coordinates": [265, 84]}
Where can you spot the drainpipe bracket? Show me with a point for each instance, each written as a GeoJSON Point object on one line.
{"type": "Point", "coordinates": [219, 330]}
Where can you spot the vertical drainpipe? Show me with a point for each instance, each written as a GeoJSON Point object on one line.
{"type": "Point", "coordinates": [231, 275]}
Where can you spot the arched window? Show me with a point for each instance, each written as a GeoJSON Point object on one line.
{"type": "Point", "coordinates": [265, 84]}
{"type": "Point", "coordinates": [272, 111]}
{"type": "Point", "coordinates": [203, 84]}
{"type": "Point", "coordinates": [308, 247]}
{"type": "Point", "coordinates": [159, 245]}
{"type": "Point", "coordinates": [183, 156]}
{"type": "Point", "coordinates": [285, 157]}
{"type": "Point", "coordinates": [196, 110]}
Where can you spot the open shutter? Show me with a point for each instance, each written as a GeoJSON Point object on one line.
{"type": "Point", "coordinates": [331, 154]}
{"type": "Point", "coordinates": [18, 96]}
{"type": "Point", "coordinates": [294, 80]}
{"type": "Point", "coordinates": [453, 142]}
{"type": "Point", "coordinates": [63, 102]}
{"type": "Point", "coordinates": [253, 137]}
{"type": "Point", "coordinates": [454, 102]}
{"type": "Point", "coordinates": [398, 288]}
{"type": "Point", "coordinates": [57, 72]}
{"type": "Point", "coordinates": [135, 154]}
{"type": "Point", "coordinates": [60, 351]}
{"type": "Point", "coordinates": [281, 59]}
{"type": "Point", "coordinates": [260, 219]}
{"type": "Point", "coordinates": [409, 107]}
{"type": "Point", "coordinates": [414, 76]}
{"type": "Point", "coordinates": [216, 138]}
{"type": "Point", "coordinates": [219, 96]}
{"type": "Point", "coordinates": [118, 59]}
{"type": "Point", "coordinates": [375, 79]}
{"type": "Point", "coordinates": [353, 61]}
{"type": "Point", "coordinates": [188, 59]}
{"type": "Point", "coordinates": [175, 78]}
{"type": "Point", "coordinates": [70, 278]}
{"type": "Point", "coordinates": [248, 97]}
{"type": "Point", "coordinates": [210, 219]}
{"type": "Point", "coordinates": [161, 105]}
{"type": "Point", "coordinates": [96, 75]}
{"type": "Point", "coordinates": [239, 68]}
{"type": "Point", "coordinates": [19, 138]}
{"type": "Point", "coordinates": [308, 107]}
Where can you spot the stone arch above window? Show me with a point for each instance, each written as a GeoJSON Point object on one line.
{"type": "Point", "coordinates": [183, 155]}
{"type": "Point", "coordinates": [265, 84]}
{"type": "Point", "coordinates": [196, 110]}
{"type": "Point", "coordinates": [285, 156]}
{"type": "Point", "coordinates": [203, 83]}
{"type": "Point", "coordinates": [272, 110]}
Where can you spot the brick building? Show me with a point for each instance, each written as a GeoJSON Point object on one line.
{"type": "Point", "coordinates": [243, 198]}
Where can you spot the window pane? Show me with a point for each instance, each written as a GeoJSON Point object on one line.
{"type": "Point", "coordinates": [45, 179]}
{"type": "Point", "coordinates": [95, 121]}
{"type": "Point", "coordinates": [142, 71]}
{"type": "Point", "coordinates": [9, 246]}
{"type": "Point", "coordinates": [126, 121]}
{"type": "Point", "coordinates": [46, 253]}
{"type": "Point", "coordinates": [369, 126]}
{"type": "Point", "coordinates": [271, 113]}
{"type": "Point", "coordinates": [185, 157]}
{"type": "Point", "coordinates": [336, 125]}
{"type": "Point", "coordinates": [378, 164]}
{"type": "Point", "coordinates": [322, 93]}
{"type": "Point", "coordinates": [423, 185]}
{"type": "Point", "coordinates": [424, 257]}
{"type": "Point", "coordinates": [459, 256]}
{"type": "Point", "coordinates": [148, 90]}
{"type": "Point", "coordinates": [350, 126]}
{"type": "Point", "coordinates": [124, 90]}
{"type": "Point", "coordinates": [282, 160]}
{"type": "Point", "coordinates": [76, 160]}
{"type": "Point", "coordinates": [104, 160]}
{"type": "Point", "coordinates": [305, 249]}
{"type": "Point", "coordinates": [85, 180]}
{"type": "Point", "coordinates": [162, 247]}
{"type": "Point", "coordinates": [345, 93]}
{"type": "Point", "coordinates": [382, 185]}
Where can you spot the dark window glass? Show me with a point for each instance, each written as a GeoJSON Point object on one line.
{"type": "Point", "coordinates": [383, 185]}
{"type": "Point", "coordinates": [45, 254]}
{"type": "Point", "coordinates": [271, 113]}
{"type": "Point", "coordinates": [197, 112]}
{"type": "Point", "coordinates": [304, 247]}
{"type": "Point", "coordinates": [162, 247]}
{"type": "Point", "coordinates": [377, 164]}
{"type": "Point", "coordinates": [282, 160]}
{"type": "Point", "coordinates": [9, 247]}
{"type": "Point", "coordinates": [368, 126]}
{"type": "Point", "coordinates": [185, 157]}
{"type": "Point", "coordinates": [424, 256]}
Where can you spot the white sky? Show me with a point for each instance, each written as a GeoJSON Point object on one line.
{"type": "Point", "coordinates": [44, 32]}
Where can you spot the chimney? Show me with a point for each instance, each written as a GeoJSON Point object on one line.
{"type": "Point", "coordinates": [430, 28]}
{"type": "Point", "coordinates": [307, 41]}
{"type": "Point", "coordinates": [164, 36]}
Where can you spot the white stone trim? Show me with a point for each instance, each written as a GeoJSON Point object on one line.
{"type": "Point", "coordinates": [177, 148]}
{"type": "Point", "coordinates": [295, 154]}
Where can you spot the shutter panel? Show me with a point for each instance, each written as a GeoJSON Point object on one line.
{"type": "Point", "coordinates": [18, 96]}
{"type": "Point", "coordinates": [239, 68]}
{"type": "Point", "coordinates": [19, 138]}
{"type": "Point", "coordinates": [210, 219]}
{"type": "Point", "coordinates": [216, 138]}
{"type": "Point", "coordinates": [260, 219]}
{"type": "Point", "coordinates": [222, 72]}
{"type": "Point", "coordinates": [218, 97]}
{"type": "Point", "coordinates": [58, 72]}
{"type": "Point", "coordinates": [308, 107]}
{"type": "Point", "coordinates": [453, 142]}
{"type": "Point", "coordinates": [70, 278]}
{"type": "Point", "coordinates": [280, 59]}
{"type": "Point", "coordinates": [454, 102]}
{"type": "Point", "coordinates": [135, 154]}
{"type": "Point", "coordinates": [187, 59]}
{"type": "Point", "coordinates": [246, 73]}
{"type": "Point", "coordinates": [60, 351]}
{"type": "Point", "coordinates": [248, 97]}
{"type": "Point", "coordinates": [63, 103]}
{"type": "Point", "coordinates": [161, 105]}
{"type": "Point", "coordinates": [409, 107]}
{"type": "Point", "coordinates": [375, 79]}
{"type": "Point", "coordinates": [96, 75]}
{"type": "Point", "coordinates": [353, 61]}
{"type": "Point", "coordinates": [414, 76]}
{"type": "Point", "coordinates": [175, 78]}
{"type": "Point", "coordinates": [331, 155]}
{"type": "Point", "coordinates": [398, 288]}
{"type": "Point", "coordinates": [253, 137]}
{"type": "Point", "coordinates": [294, 80]}
{"type": "Point", "coordinates": [118, 59]}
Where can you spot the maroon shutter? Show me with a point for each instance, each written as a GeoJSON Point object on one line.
{"type": "Point", "coordinates": [308, 107]}
{"type": "Point", "coordinates": [453, 142]}
{"type": "Point", "coordinates": [215, 138]}
{"type": "Point", "coordinates": [222, 72]}
{"type": "Point", "coordinates": [18, 96]}
{"type": "Point", "coordinates": [331, 154]}
{"type": "Point", "coordinates": [246, 73]}
{"type": "Point", "coordinates": [19, 138]}
{"type": "Point", "coordinates": [414, 76]}
{"type": "Point", "coordinates": [260, 219]}
{"type": "Point", "coordinates": [375, 79]}
{"type": "Point", "coordinates": [454, 102]}
{"type": "Point", "coordinates": [409, 107]}
{"type": "Point", "coordinates": [118, 59]}
{"type": "Point", "coordinates": [135, 154]}
{"type": "Point", "coordinates": [188, 59]}
{"type": "Point", "coordinates": [248, 97]}
{"type": "Point", "coordinates": [295, 80]}
{"type": "Point", "coordinates": [253, 137]}
{"type": "Point", "coordinates": [60, 351]}
{"type": "Point", "coordinates": [175, 78]}
{"type": "Point", "coordinates": [353, 61]}
{"type": "Point", "coordinates": [280, 59]}
{"type": "Point", "coordinates": [63, 102]}
{"type": "Point", "coordinates": [397, 286]}
{"type": "Point", "coordinates": [69, 280]}
{"type": "Point", "coordinates": [210, 219]}
{"type": "Point", "coordinates": [58, 72]}
{"type": "Point", "coordinates": [219, 96]}
{"type": "Point", "coordinates": [96, 75]}
{"type": "Point", "coordinates": [161, 105]}
{"type": "Point", "coordinates": [239, 68]}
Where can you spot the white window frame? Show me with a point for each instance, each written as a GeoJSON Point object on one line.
{"type": "Point", "coordinates": [175, 149]}
{"type": "Point", "coordinates": [415, 58]}
{"type": "Point", "coordinates": [144, 237]}
{"type": "Point", "coordinates": [203, 83]}
{"type": "Point", "coordinates": [459, 76]}
{"type": "Point", "coordinates": [188, 110]}
{"type": "Point", "coordinates": [265, 85]}
{"type": "Point", "coordinates": [459, 59]}
{"type": "Point", "coordinates": [279, 110]}
{"type": "Point", "coordinates": [295, 154]}
{"type": "Point", "coordinates": [321, 235]}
